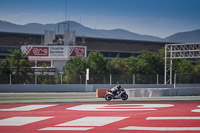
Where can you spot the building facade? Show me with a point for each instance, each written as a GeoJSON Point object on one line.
{"type": "Point", "coordinates": [54, 50]}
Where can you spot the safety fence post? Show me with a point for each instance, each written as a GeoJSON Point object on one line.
{"type": "Point", "coordinates": [35, 79]}
{"type": "Point", "coordinates": [175, 80]}
{"type": "Point", "coordinates": [157, 79]}
{"type": "Point", "coordinates": [133, 78]}
{"type": "Point", "coordinates": [87, 75]}
{"type": "Point", "coordinates": [110, 79]}
{"type": "Point", "coordinates": [61, 78]}
{"type": "Point", "coordinates": [10, 79]}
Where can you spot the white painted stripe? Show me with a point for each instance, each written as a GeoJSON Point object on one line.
{"type": "Point", "coordinates": [172, 118]}
{"type": "Point", "coordinates": [27, 108]}
{"type": "Point", "coordinates": [141, 105]}
{"type": "Point", "coordinates": [106, 107]}
{"type": "Point", "coordinates": [195, 110]}
{"type": "Point", "coordinates": [162, 128]}
{"type": "Point", "coordinates": [68, 128]}
{"type": "Point", "coordinates": [109, 109]}
{"type": "Point", "coordinates": [118, 107]}
{"type": "Point", "coordinates": [20, 121]}
{"type": "Point", "coordinates": [92, 121]}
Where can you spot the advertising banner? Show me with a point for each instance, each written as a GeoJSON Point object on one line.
{"type": "Point", "coordinates": [77, 51]}
{"type": "Point", "coordinates": [39, 51]}
{"type": "Point", "coordinates": [36, 51]}
{"type": "Point", "coordinates": [58, 51]}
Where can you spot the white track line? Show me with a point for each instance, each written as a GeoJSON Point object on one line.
{"type": "Point", "coordinates": [118, 107]}
{"type": "Point", "coordinates": [67, 128]}
{"type": "Point", "coordinates": [20, 121]}
{"type": "Point", "coordinates": [92, 121]}
{"type": "Point", "coordinates": [27, 108]}
{"type": "Point", "coordinates": [172, 118]}
{"type": "Point", "coordinates": [161, 128]}
{"type": "Point", "coordinates": [195, 110]}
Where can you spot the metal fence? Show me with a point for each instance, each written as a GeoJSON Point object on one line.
{"type": "Point", "coordinates": [97, 79]}
{"type": "Point", "coordinates": [127, 79]}
{"type": "Point", "coordinates": [187, 78]}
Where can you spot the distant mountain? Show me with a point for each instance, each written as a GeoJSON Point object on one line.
{"type": "Point", "coordinates": [81, 30]}
{"type": "Point", "coordinates": [36, 28]}
{"type": "Point", "coordinates": [190, 36]}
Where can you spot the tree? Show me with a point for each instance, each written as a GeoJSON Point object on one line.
{"type": "Point", "coordinates": [57, 78]}
{"type": "Point", "coordinates": [117, 66]}
{"type": "Point", "coordinates": [97, 63]}
{"type": "Point", "coordinates": [74, 69]}
{"type": "Point", "coordinates": [182, 66]}
{"type": "Point", "coordinates": [131, 64]}
{"type": "Point", "coordinates": [150, 63]}
{"type": "Point", "coordinates": [197, 68]}
{"type": "Point", "coordinates": [118, 69]}
{"type": "Point", "coordinates": [18, 65]}
{"type": "Point", "coordinates": [4, 72]}
{"type": "Point", "coordinates": [44, 77]}
{"type": "Point", "coordinates": [184, 71]}
{"type": "Point", "coordinates": [197, 72]}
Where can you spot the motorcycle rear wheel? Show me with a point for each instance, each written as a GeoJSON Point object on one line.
{"type": "Point", "coordinates": [108, 97]}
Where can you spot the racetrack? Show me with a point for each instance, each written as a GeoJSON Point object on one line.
{"type": "Point", "coordinates": [78, 97]}
{"type": "Point", "coordinates": [83, 112]}
{"type": "Point", "coordinates": [107, 117]}
{"type": "Point", "coordinates": [48, 95]}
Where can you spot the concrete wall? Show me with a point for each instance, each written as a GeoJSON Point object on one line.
{"type": "Point", "coordinates": [42, 88]}
{"type": "Point", "coordinates": [68, 87]}
{"type": "Point", "coordinates": [138, 90]}
{"type": "Point", "coordinates": [159, 92]}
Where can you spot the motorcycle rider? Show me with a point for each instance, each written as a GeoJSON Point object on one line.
{"type": "Point", "coordinates": [116, 92]}
{"type": "Point", "coordinates": [116, 89]}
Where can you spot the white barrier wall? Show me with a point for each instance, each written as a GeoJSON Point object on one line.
{"type": "Point", "coordinates": [159, 92]}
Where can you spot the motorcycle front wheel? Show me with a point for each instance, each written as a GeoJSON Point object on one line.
{"type": "Point", "coordinates": [108, 97]}
{"type": "Point", "coordinates": [124, 97]}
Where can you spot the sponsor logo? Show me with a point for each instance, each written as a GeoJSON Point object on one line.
{"type": "Point", "coordinates": [77, 51]}
{"type": "Point", "coordinates": [57, 51]}
{"type": "Point", "coordinates": [37, 51]}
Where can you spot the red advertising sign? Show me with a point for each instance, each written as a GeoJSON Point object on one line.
{"type": "Point", "coordinates": [37, 51]}
{"type": "Point", "coordinates": [77, 52]}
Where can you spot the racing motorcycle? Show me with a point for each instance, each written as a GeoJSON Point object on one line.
{"type": "Point", "coordinates": [119, 95]}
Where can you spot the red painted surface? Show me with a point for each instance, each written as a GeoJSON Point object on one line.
{"type": "Point", "coordinates": [77, 51]}
{"type": "Point", "coordinates": [37, 51]}
{"type": "Point", "coordinates": [135, 118]}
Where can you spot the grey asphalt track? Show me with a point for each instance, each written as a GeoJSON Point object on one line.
{"type": "Point", "coordinates": [48, 95]}
{"type": "Point", "coordinates": [79, 97]}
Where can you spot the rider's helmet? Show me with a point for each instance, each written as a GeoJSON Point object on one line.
{"type": "Point", "coordinates": [118, 86]}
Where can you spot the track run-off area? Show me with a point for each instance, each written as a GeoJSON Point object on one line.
{"type": "Point", "coordinates": [105, 117]}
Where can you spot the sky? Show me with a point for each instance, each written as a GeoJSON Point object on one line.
{"type": "Point", "coordinates": [150, 17]}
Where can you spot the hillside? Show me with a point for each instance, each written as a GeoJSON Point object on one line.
{"type": "Point", "coordinates": [36, 28]}
{"type": "Point", "coordinates": [190, 36]}
{"type": "Point", "coordinates": [81, 30]}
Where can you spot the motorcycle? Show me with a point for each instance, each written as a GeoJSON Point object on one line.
{"type": "Point", "coordinates": [120, 95]}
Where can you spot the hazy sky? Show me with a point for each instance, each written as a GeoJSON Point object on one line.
{"type": "Point", "coordinates": [152, 17]}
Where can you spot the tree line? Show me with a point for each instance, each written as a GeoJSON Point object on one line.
{"type": "Point", "coordinates": [147, 63]}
